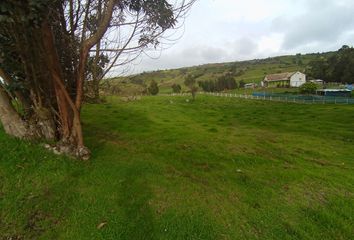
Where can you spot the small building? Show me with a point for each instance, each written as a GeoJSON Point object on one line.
{"type": "Point", "coordinates": [251, 85]}
{"type": "Point", "coordinates": [317, 81]}
{"type": "Point", "coordinates": [290, 79]}
{"type": "Point", "coordinates": [334, 93]}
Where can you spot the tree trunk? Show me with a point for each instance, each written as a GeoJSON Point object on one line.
{"type": "Point", "coordinates": [71, 130]}
{"type": "Point", "coordinates": [95, 77]}
{"type": "Point", "coordinates": [10, 119]}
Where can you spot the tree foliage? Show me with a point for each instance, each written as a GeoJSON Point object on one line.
{"type": "Point", "coordinates": [224, 82]}
{"type": "Point", "coordinates": [308, 88]}
{"type": "Point", "coordinates": [153, 88]}
{"type": "Point", "coordinates": [191, 82]}
{"type": "Point", "coordinates": [176, 88]}
{"type": "Point", "coordinates": [336, 68]}
{"type": "Point", "coordinates": [242, 84]}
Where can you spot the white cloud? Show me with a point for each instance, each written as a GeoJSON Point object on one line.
{"type": "Point", "coordinates": [229, 30]}
{"type": "Point", "coordinates": [271, 43]}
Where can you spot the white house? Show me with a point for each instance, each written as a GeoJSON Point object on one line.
{"type": "Point", "coordinates": [293, 79]}
{"type": "Point", "coordinates": [251, 85]}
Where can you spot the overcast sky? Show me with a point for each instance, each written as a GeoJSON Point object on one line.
{"type": "Point", "coordinates": [231, 30]}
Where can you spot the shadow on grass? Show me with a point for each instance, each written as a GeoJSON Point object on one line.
{"type": "Point", "coordinates": [106, 124]}
{"type": "Point", "coordinates": [137, 213]}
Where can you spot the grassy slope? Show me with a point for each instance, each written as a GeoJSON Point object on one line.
{"type": "Point", "coordinates": [254, 71]}
{"type": "Point", "coordinates": [163, 168]}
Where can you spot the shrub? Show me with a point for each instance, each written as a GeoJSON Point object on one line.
{"type": "Point", "coordinates": [242, 84]}
{"type": "Point", "coordinates": [153, 88]}
{"type": "Point", "coordinates": [308, 88]}
{"type": "Point", "coordinates": [176, 88]}
{"type": "Point", "coordinates": [190, 82]}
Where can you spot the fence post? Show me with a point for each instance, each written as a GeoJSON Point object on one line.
{"type": "Point", "coordinates": [335, 100]}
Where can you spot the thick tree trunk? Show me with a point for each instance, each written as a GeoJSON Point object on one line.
{"type": "Point", "coordinates": [71, 130]}
{"type": "Point", "coordinates": [10, 119]}
{"type": "Point", "coordinates": [44, 123]}
{"type": "Point", "coordinates": [8, 80]}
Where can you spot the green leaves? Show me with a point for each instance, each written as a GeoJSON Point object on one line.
{"type": "Point", "coordinates": [308, 88]}
{"type": "Point", "coordinates": [336, 68]}
{"type": "Point", "coordinates": [159, 12]}
{"type": "Point", "coordinates": [153, 88]}
{"type": "Point", "coordinates": [28, 12]}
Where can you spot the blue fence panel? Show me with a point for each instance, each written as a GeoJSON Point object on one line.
{"type": "Point", "coordinates": [304, 98]}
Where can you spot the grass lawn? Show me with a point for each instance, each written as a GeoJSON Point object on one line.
{"type": "Point", "coordinates": [164, 168]}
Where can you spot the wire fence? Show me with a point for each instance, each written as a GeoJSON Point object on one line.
{"type": "Point", "coordinates": [304, 99]}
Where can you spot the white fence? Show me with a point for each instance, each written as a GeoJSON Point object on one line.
{"type": "Point", "coordinates": [280, 98]}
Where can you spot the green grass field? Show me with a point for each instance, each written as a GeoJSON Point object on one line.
{"type": "Point", "coordinates": [165, 168]}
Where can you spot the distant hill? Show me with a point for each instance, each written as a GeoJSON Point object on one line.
{"type": "Point", "coordinates": [248, 71]}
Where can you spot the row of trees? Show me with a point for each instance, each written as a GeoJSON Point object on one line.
{"type": "Point", "coordinates": [49, 50]}
{"type": "Point", "coordinates": [336, 68]}
{"type": "Point", "coordinates": [225, 82]}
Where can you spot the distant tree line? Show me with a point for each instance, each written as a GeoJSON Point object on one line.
{"type": "Point", "coordinates": [337, 68]}
{"type": "Point", "coordinates": [224, 82]}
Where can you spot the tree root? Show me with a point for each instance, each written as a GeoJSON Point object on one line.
{"type": "Point", "coordinates": [61, 148]}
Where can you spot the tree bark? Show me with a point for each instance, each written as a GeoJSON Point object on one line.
{"type": "Point", "coordinates": [25, 104]}
{"type": "Point", "coordinates": [95, 77]}
{"type": "Point", "coordinates": [87, 45]}
{"type": "Point", "coordinates": [71, 128]}
{"type": "Point", "coordinates": [10, 119]}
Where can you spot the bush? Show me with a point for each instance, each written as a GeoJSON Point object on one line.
{"type": "Point", "coordinates": [242, 84]}
{"type": "Point", "coordinates": [190, 82]}
{"type": "Point", "coordinates": [176, 88]}
{"type": "Point", "coordinates": [153, 88]}
{"type": "Point", "coordinates": [308, 88]}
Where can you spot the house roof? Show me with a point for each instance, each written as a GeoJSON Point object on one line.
{"type": "Point", "coordinates": [279, 76]}
{"type": "Point", "coordinates": [334, 90]}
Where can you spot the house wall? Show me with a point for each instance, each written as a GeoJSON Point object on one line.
{"type": "Point", "coordinates": [297, 79]}
{"type": "Point", "coordinates": [278, 84]}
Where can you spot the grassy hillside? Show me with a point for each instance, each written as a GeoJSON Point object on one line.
{"type": "Point", "coordinates": [248, 71]}
{"type": "Point", "coordinates": [164, 168]}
